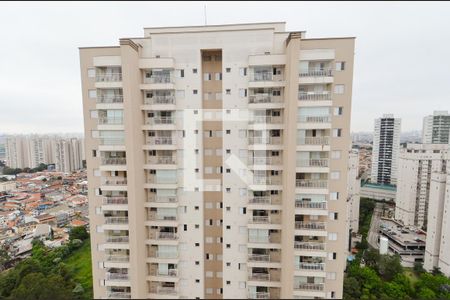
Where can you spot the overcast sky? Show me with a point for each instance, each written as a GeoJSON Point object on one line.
{"type": "Point", "coordinates": [402, 63]}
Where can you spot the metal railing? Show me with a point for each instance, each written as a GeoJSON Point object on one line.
{"type": "Point", "coordinates": [260, 219]}
{"type": "Point", "coordinates": [110, 121]}
{"type": "Point", "coordinates": [265, 239]}
{"type": "Point", "coordinates": [273, 140]}
{"type": "Point", "coordinates": [163, 290]}
{"type": "Point", "coordinates": [259, 257]}
{"type": "Point", "coordinates": [163, 199]}
{"type": "Point", "coordinates": [160, 121]}
{"type": "Point", "coordinates": [266, 76]}
{"type": "Point", "coordinates": [265, 160]}
{"type": "Point", "coordinates": [309, 286]}
{"type": "Point", "coordinates": [160, 100]}
{"type": "Point", "coordinates": [316, 140]}
{"type": "Point", "coordinates": [314, 96]}
{"type": "Point", "coordinates": [158, 79]}
{"type": "Point", "coordinates": [111, 77]}
{"type": "Point", "coordinates": [310, 266]}
{"type": "Point", "coordinates": [118, 295]}
{"type": "Point", "coordinates": [266, 120]}
{"type": "Point", "coordinates": [161, 141]}
{"type": "Point", "coordinates": [316, 73]}
{"type": "Point", "coordinates": [267, 180]}
{"type": "Point", "coordinates": [259, 276]}
{"type": "Point", "coordinates": [264, 98]}
{"type": "Point", "coordinates": [166, 236]}
{"type": "Point", "coordinates": [314, 119]}
{"type": "Point", "coordinates": [109, 99]}
{"type": "Point", "coordinates": [115, 200]}
{"type": "Point", "coordinates": [309, 204]}
{"type": "Point", "coordinates": [311, 183]}
{"type": "Point", "coordinates": [118, 258]}
{"type": "Point", "coordinates": [114, 161]}
{"type": "Point", "coordinates": [116, 220]}
{"type": "Point", "coordinates": [117, 239]}
{"type": "Point", "coordinates": [164, 160]}
{"type": "Point", "coordinates": [310, 225]}
{"type": "Point", "coordinates": [309, 246]}
{"type": "Point", "coordinates": [312, 163]}
{"type": "Point", "coordinates": [117, 276]}
{"type": "Point", "coordinates": [114, 182]}
{"type": "Point", "coordinates": [170, 273]}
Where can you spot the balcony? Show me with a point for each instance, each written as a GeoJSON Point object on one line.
{"type": "Point", "coordinates": [310, 266]}
{"type": "Point", "coordinates": [160, 121]}
{"type": "Point", "coordinates": [316, 73]}
{"type": "Point", "coordinates": [265, 200]}
{"type": "Point", "coordinates": [318, 163]}
{"type": "Point", "coordinates": [117, 277]}
{"type": "Point", "coordinates": [259, 276]}
{"type": "Point", "coordinates": [314, 119]}
{"type": "Point", "coordinates": [158, 79]}
{"type": "Point", "coordinates": [272, 219]}
{"type": "Point", "coordinates": [117, 258]}
{"type": "Point", "coordinates": [107, 99]}
{"type": "Point", "coordinates": [116, 220]}
{"type": "Point", "coordinates": [110, 121]}
{"type": "Point", "coordinates": [264, 98]}
{"type": "Point", "coordinates": [265, 160]}
{"type": "Point", "coordinates": [165, 254]}
{"type": "Point", "coordinates": [266, 120]}
{"type": "Point", "coordinates": [267, 180]}
{"type": "Point", "coordinates": [114, 161]}
{"type": "Point", "coordinates": [161, 160]}
{"type": "Point", "coordinates": [117, 239]}
{"type": "Point", "coordinates": [266, 76]}
{"type": "Point", "coordinates": [273, 238]}
{"type": "Point", "coordinates": [311, 183]}
{"type": "Point", "coordinates": [310, 225]}
{"type": "Point", "coordinates": [115, 200]}
{"type": "Point", "coordinates": [312, 205]}
{"type": "Point", "coordinates": [111, 141]}
{"type": "Point", "coordinates": [170, 273]}
{"type": "Point", "coordinates": [309, 246]}
{"type": "Point", "coordinates": [163, 290]}
{"type": "Point", "coordinates": [314, 96]}
{"type": "Point", "coordinates": [160, 100]}
{"type": "Point", "coordinates": [161, 141]}
{"type": "Point", "coordinates": [163, 235]}
{"type": "Point", "coordinates": [118, 295]}
{"type": "Point", "coordinates": [316, 140]}
{"type": "Point", "coordinates": [110, 77]}
{"type": "Point", "coordinates": [114, 182]}
{"type": "Point", "coordinates": [273, 140]}
{"type": "Point", "coordinates": [154, 216]}
{"type": "Point", "coordinates": [309, 287]}
{"type": "Point", "coordinates": [259, 295]}
{"type": "Point", "coordinates": [162, 199]}
{"type": "Point", "coordinates": [259, 257]}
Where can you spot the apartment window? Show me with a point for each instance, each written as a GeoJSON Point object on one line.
{"type": "Point", "coordinates": [97, 173]}
{"type": "Point", "coordinates": [196, 151]}
{"type": "Point", "coordinates": [242, 266]}
{"type": "Point", "coordinates": [228, 91]}
{"type": "Point", "coordinates": [334, 196]}
{"type": "Point", "coordinates": [333, 215]}
{"type": "Point", "coordinates": [336, 154]}
{"type": "Point", "coordinates": [332, 236]}
{"type": "Point", "coordinates": [228, 282]}
{"type": "Point", "coordinates": [228, 190]}
{"type": "Point", "coordinates": [179, 94]}
{"type": "Point", "coordinates": [243, 71]}
{"type": "Point", "coordinates": [185, 227]}
{"type": "Point", "coordinates": [207, 76]}
{"type": "Point", "coordinates": [242, 210]}
{"type": "Point", "coordinates": [335, 175]}
{"type": "Point", "coordinates": [197, 281]}
{"type": "Point", "coordinates": [337, 132]}
{"type": "Point", "coordinates": [195, 92]}
{"type": "Point", "coordinates": [332, 255]}
{"type": "Point", "coordinates": [179, 73]}
{"type": "Point", "coordinates": [276, 93]}
{"type": "Point", "coordinates": [338, 111]}
{"type": "Point", "coordinates": [218, 76]}
{"type": "Point", "coordinates": [194, 71]}
{"type": "Point", "coordinates": [94, 153]}
{"type": "Point", "coordinates": [228, 131]}
{"type": "Point", "coordinates": [228, 227]}
{"type": "Point", "coordinates": [242, 93]}
{"type": "Point", "coordinates": [197, 244]}
{"type": "Point", "coordinates": [228, 151]}
{"type": "Point", "coordinates": [331, 275]}
{"type": "Point", "coordinates": [91, 72]}
{"type": "Point", "coordinates": [228, 246]}
{"type": "Point", "coordinates": [339, 89]}
{"type": "Point", "coordinates": [228, 264]}
{"type": "Point", "coordinates": [196, 207]}
{"type": "Point", "coordinates": [197, 226]}
{"type": "Point", "coordinates": [340, 65]}
{"type": "Point", "coordinates": [228, 70]}
{"type": "Point", "coordinates": [228, 208]}
{"type": "Point", "coordinates": [228, 170]}
{"type": "Point", "coordinates": [92, 94]}
{"type": "Point", "coordinates": [333, 295]}
{"type": "Point", "coordinates": [195, 112]}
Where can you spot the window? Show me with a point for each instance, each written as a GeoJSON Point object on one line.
{"type": "Point", "coordinates": [197, 281]}
{"type": "Point", "coordinates": [194, 71]}
{"type": "Point", "coordinates": [228, 246]}
{"type": "Point", "coordinates": [228, 170]}
{"type": "Point", "coordinates": [228, 190]}
{"type": "Point", "coordinates": [242, 210]}
{"type": "Point", "coordinates": [228, 264]}
{"type": "Point", "coordinates": [197, 244]}
{"type": "Point", "coordinates": [228, 91]}
{"type": "Point", "coordinates": [339, 89]}
{"type": "Point", "coordinates": [228, 131]}
{"type": "Point", "coordinates": [340, 65]}
{"type": "Point", "coordinates": [228, 70]}
{"type": "Point", "coordinates": [91, 72]}
{"type": "Point", "coordinates": [243, 71]}
{"type": "Point", "coordinates": [196, 208]}
{"type": "Point", "coordinates": [276, 93]}
{"type": "Point", "coordinates": [218, 76]}
{"type": "Point", "coordinates": [179, 73]}
{"type": "Point", "coordinates": [337, 132]}
{"type": "Point", "coordinates": [206, 76]}
{"type": "Point", "coordinates": [336, 154]}
{"type": "Point", "coordinates": [185, 227]}
{"type": "Point", "coordinates": [338, 111]}
{"type": "Point", "coordinates": [94, 153]}
{"type": "Point", "coordinates": [332, 255]}
{"type": "Point", "coordinates": [228, 282]}
{"type": "Point", "coordinates": [334, 196]}
{"type": "Point", "coordinates": [97, 173]}
{"type": "Point", "coordinates": [195, 92]}
{"type": "Point", "coordinates": [332, 236]}
{"type": "Point", "coordinates": [335, 175]}
{"type": "Point", "coordinates": [179, 94]}
{"type": "Point", "coordinates": [228, 227]}
{"type": "Point", "coordinates": [333, 215]}
{"type": "Point", "coordinates": [92, 94]}
{"type": "Point", "coordinates": [242, 93]}
{"type": "Point", "coordinates": [228, 151]}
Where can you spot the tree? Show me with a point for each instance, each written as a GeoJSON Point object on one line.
{"type": "Point", "coordinates": [426, 293]}
{"type": "Point", "coordinates": [352, 289]}
{"type": "Point", "coordinates": [4, 258]}
{"type": "Point", "coordinates": [371, 258]}
{"type": "Point", "coordinates": [418, 268]}
{"type": "Point", "coordinates": [39, 286]}
{"type": "Point", "coordinates": [436, 271]}
{"type": "Point", "coordinates": [79, 233]}
{"type": "Point", "coordinates": [389, 266]}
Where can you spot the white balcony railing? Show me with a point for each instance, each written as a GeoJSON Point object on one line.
{"type": "Point", "coordinates": [163, 199]}
{"type": "Point", "coordinates": [165, 254]}
{"type": "Point", "coordinates": [316, 140]}
{"type": "Point", "coordinates": [309, 204]}
{"type": "Point", "coordinates": [110, 121]}
{"type": "Point", "coordinates": [117, 277]}
{"type": "Point", "coordinates": [114, 161]}
{"type": "Point", "coordinates": [116, 220]}
{"type": "Point", "coordinates": [158, 79]}
{"type": "Point", "coordinates": [322, 163]}
{"type": "Point", "coordinates": [259, 295]}
{"type": "Point", "coordinates": [109, 99]}
{"type": "Point", "coordinates": [161, 141]}
{"type": "Point", "coordinates": [111, 77]}
{"type": "Point", "coordinates": [163, 160]}
{"type": "Point", "coordinates": [309, 286]}
{"type": "Point", "coordinates": [118, 258]}
{"type": "Point", "coordinates": [259, 276]}
{"type": "Point", "coordinates": [314, 119]}
{"type": "Point", "coordinates": [117, 239]}
{"type": "Point", "coordinates": [310, 266]}
{"type": "Point", "coordinates": [115, 200]}
{"type": "Point", "coordinates": [160, 121]}
{"type": "Point", "coordinates": [266, 120]}
{"type": "Point", "coordinates": [310, 225]}
{"type": "Point", "coordinates": [163, 290]}
{"type": "Point", "coordinates": [167, 236]}
{"type": "Point", "coordinates": [316, 73]}
{"type": "Point", "coordinates": [267, 180]}
{"type": "Point", "coordinates": [111, 141]}
{"type": "Point", "coordinates": [309, 246]}
{"type": "Point", "coordinates": [265, 160]}
{"type": "Point", "coordinates": [314, 96]}
{"type": "Point", "coordinates": [260, 219]}
{"type": "Point", "coordinates": [114, 182]}
{"type": "Point", "coordinates": [259, 257]}
{"type": "Point", "coordinates": [264, 98]}
{"type": "Point", "coordinates": [170, 99]}
{"type": "Point", "coordinates": [311, 183]}
{"type": "Point", "coordinates": [273, 140]}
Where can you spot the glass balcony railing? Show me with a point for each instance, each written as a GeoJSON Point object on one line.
{"type": "Point", "coordinates": [109, 77]}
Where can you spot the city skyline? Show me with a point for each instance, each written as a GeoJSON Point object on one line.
{"type": "Point", "coordinates": [386, 80]}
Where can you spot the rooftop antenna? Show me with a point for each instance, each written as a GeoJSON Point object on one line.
{"type": "Point", "coordinates": [205, 14]}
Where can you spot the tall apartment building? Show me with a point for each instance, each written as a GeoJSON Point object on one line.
{"type": "Point", "coordinates": [354, 185]}
{"type": "Point", "coordinates": [16, 152]}
{"type": "Point", "coordinates": [417, 162]}
{"type": "Point", "coordinates": [68, 154]}
{"type": "Point", "coordinates": [437, 250]}
{"type": "Point", "coordinates": [39, 150]}
{"type": "Point", "coordinates": [386, 144]}
{"type": "Point", "coordinates": [436, 128]}
{"type": "Point", "coordinates": [191, 137]}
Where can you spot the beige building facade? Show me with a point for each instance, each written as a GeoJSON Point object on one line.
{"type": "Point", "coordinates": [217, 162]}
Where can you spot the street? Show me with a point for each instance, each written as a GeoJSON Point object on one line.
{"type": "Point", "coordinates": [375, 226]}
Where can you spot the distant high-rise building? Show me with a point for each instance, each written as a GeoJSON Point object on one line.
{"type": "Point", "coordinates": [17, 152]}
{"type": "Point", "coordinates": [68, 154]}
{"type": "Point", "coordinates": [218, 156]}
{"type": "Point", "coordinates": [436, 128]}
{"type": "Point", "coordinates": [386, 144]}
{"type": "Point", "coordinates": [354, 185]}
{"type": "Point", "coordinates": [437, 250]}
{"type": "Point", "coordinates": [417, 162]}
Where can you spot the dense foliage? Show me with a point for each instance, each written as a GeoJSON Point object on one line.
{"type": "Point", "coordinates": [15, 171]}
{"type": "Point", "coordinates": [46, 274]}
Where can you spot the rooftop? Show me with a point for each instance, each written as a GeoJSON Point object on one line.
{"type": "Point", "coordinates": [387, 187]}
